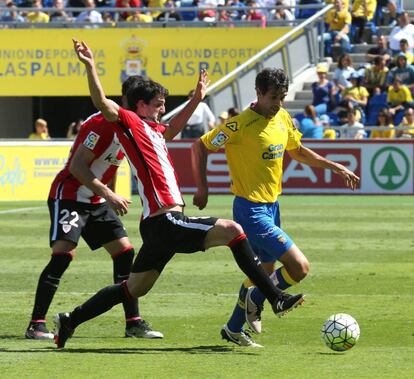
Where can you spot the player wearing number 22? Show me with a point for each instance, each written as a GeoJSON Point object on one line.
{"type": "Point", "coordinates": [255, 142]}
{"type": "Point", "coordinates": [80, 204]}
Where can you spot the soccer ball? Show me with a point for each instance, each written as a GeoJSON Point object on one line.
{"type": "Point", "coordinates": [340, 332]}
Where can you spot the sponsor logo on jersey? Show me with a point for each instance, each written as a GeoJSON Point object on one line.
{"type": "Point", "coordinates": [251, 122]}
{"type": "Point", "coordinates": [220, 139]}
{"type": "Point", "coordinates": [273, 152]}
{"type": "Point", "coordinates": [232, 126]}
{"type": "Point", "coordinates": [113, 159]}
{"type": "Point", "coordinates": [91, 140]}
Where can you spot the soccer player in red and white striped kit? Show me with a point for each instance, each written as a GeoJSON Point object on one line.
{"type": "Point", "coordinates": [80, 203]}
{"type": "Point", "coordinates": [165, 230]}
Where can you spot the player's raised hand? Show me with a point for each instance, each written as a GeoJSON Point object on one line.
{"type": "Point", "coordinates": [351, 180]}
{"type": "Point", "coordinates": [83, 52]}
{"type": "Point", "coordinates": [203, 83]}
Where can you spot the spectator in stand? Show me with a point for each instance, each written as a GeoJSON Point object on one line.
{"type": "Point", "coordinates": [306, 13]}
{"type": "Point", "coordinates": [380, 50]}
{"type": "Point", "coordinates": [384, 120]}
{"type": "Point", "coordinates": [283, 13]}
{"type": "Point", "coordinates": [328, 132]}
{"type": "Point", "coordinates": [376, 75]}
{"type": "Point", "coordinates": [107, 18]}
{"type": "Point", "coordinates": [324, 91]}
{"type": "Point", "coordinates": [345, 3]}
{"type": "Point", "coordinates": [310, 126]}
{"type": "Point", "coordinates": [356, 96]}
{"type": "Point", "coordinates": [223, 14]}
{"type": "Point", "coordinates": [392, 11]}
{"type": "Point", "coordinates": [11, 14]}
{"type": "Point", "coordinates": [156, 4]}
{"type": "Point", "coordinates": [343, 72]}
{"type": "Point", "coordinates": [38, 15]}
{"type": "Point", "coordinates": [200, 122]}
{"type": "Point", "coordinates": [59, 15]}
{"type": "Point", "coordinates": [404, 48]}
{"type": "Point", "coordinates": [41, 131]}
{"type": "Point", "coordinates": [404, 31]}
{"type": "Point", "coordinates": [126, 4]}
{"type": "Point", "coordinates": [171, 14]}
{"type": "Point", "coordinates": [75, 4]}
{"type": "Point", "coordinates": [292, 5]}
{"type": "Point", "coordinates": [73, 128]}
{"type": "Point", "coordinates": [362, 12]}
{"type": "Point", "coordinates": [398, 98]}
{"type": "Point", "coordinates": [408, 122]}
{"type": "Point", "coordinates": [238, 14]}
{"type": "Point", "coordinates": [222, 118]}
{"type": "Point", "coordinates": [90, 15]}
{"type": "Point", "coordinates": [403, 71]}
{"type": "Point", "coordinates": [139, 16]}
{"type": "Point", "coordinates": [233, 111]}
{"type": "Point", "coordinates": [376, 102]}
{"type": "Point", "coordinates": [264, 6]}
{"type": "Point", "coordinates": [338, 20]}
{"type": "Point", "coordinates": [255, 14]}
{"type": "Point", "coordinates": [353, 129]}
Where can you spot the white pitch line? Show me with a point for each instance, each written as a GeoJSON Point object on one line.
{"type": "Point", "coordinates": [169, 294]}
{"type": "Point", "coordinates": [17, 210]}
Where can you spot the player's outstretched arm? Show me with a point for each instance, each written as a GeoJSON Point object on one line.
{"type": "Point", "coordinates": [109, 108]}
{"type": "Point", "coordinates": [178, 122]}
{"type": "Point", "coordinates": [199, 165]}
{"type": "Point", "coordinates": [304, 155]}
{"type": "Point", "coordinates": [80, 169]}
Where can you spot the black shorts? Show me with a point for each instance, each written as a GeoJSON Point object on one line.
{"type": "Point", "coordinates": [98, 224]}
{"type": "Point", "coordinates": [167, 234]}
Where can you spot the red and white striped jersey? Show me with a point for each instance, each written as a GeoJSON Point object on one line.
{"type": "Point", "coordinates": [144, 146]}
{"type": "Point", "coordinates": [98, 135]}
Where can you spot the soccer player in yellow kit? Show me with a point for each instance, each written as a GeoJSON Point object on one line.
{"type": "Point", "coordinates": [255, 142]}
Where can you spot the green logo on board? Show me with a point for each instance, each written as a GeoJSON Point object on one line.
{"type": "Point", "coordinates": [390, 168]}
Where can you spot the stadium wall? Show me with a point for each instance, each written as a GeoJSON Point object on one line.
{"type": "Point", "coordinates": [28, 168]}
{"type": "Point", "coordinates": [385, 167]}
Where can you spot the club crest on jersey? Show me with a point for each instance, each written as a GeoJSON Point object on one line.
{"type": "Point", "coordinates": [66, 228]}
{"type": "Point", "coordinates": [232, 126]}
{"type": "Point", "coordinates": [91, 140]}
{"type": "Point", "coordinates": [220, 139]}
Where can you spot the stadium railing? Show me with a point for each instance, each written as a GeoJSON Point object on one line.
{"type": "Point", "coordinates": [296, 51]}
{"type": "Point", "coordinates": [117, 21]}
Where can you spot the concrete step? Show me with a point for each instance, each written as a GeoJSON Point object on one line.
{"type": "Point", "coordinates": [384, 30]}
{"type": "Point", "coordinates": [307, 86]}
{"type": "Point", "coordinates": [304, 95]}
{"type": "Point", "coordinates": [362, 49]}
{"type": "Point", "coordinates": [295, 104]}
{"type": "Point", "coordinates": [294, 111]}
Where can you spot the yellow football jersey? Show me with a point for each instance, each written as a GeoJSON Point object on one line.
{"type": "Point", "coordinates": [254, 149]}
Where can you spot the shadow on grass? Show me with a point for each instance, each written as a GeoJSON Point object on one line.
{"type": "Point", "coordinates": [211, 349]}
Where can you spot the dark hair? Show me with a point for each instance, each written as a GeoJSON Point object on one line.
{"type": "Point", "coordinates": [311, 112]}
{"type": "Point", "coordinates": [271, 78]}
{"type": "Point", "coordinates": [340, 65]}
{"type": "Point", "coordinates": [144, 89]}
{"type": "Point", "coordinates": [233, 111]}
{"type": "Point", "coordinates": [128, 83]}
{"type": "Point", "coordinates": [388, 117]}
{"type": "Point", "coordinates": [403, 40]}
{"type": "Point", "coordinates": [378, 59]}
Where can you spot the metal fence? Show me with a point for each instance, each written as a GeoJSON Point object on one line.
{"type": "Point", "coordinates": [297, 50]}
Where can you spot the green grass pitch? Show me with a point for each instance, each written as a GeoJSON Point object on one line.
{"type": "Point", "coordinates": [361, 251]}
